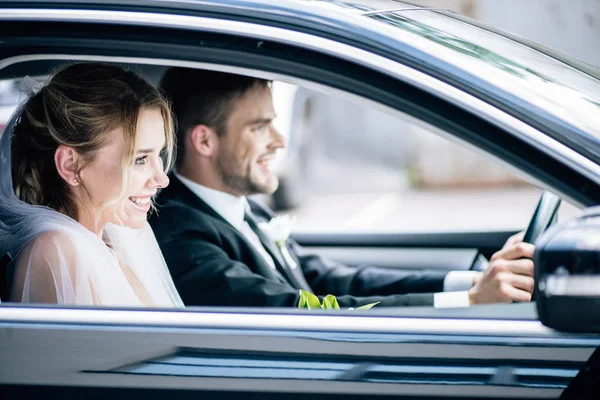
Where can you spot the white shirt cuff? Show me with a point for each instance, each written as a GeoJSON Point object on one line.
{"type": "Point", "coordinates": [458, 280]}
{"type": "Point", "coordinates": [451, 299]}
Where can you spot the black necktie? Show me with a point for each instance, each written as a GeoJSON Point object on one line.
{"type": "Point", "coordinates": [266, 241]}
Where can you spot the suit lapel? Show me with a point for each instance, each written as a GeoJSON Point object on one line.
{"type": "Point", "coordinates": [179, 192]}
{"type": "Point", "coordinates": [267, 243]}
{"type": "Point", "coordinates": [296, 275]}
{"type": "Point", "coordinates": [293, 275]}
{"type": "Point", "coordinates": [271, 247]}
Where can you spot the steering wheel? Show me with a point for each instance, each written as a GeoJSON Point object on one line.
{"type": "Point", "coordinates": [543, 216]}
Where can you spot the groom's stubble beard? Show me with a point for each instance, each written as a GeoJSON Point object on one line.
{"type": "Point", "coordinates": [239, 178]}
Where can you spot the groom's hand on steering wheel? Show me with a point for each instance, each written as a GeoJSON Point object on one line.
{"type": "Point", "coordinates": [509, 277]}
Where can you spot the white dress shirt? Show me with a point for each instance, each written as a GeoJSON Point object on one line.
{"type": "Point", "coordinates": [232, 209]}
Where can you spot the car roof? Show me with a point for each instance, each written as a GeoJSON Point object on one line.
{"type": "Point", "coordinates": [361, 22]}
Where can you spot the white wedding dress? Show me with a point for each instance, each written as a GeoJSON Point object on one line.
{"type": "Point", "coordinates": [57, 260]}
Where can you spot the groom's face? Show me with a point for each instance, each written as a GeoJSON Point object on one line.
{"type": "Point", "coordinates": [247, 149]}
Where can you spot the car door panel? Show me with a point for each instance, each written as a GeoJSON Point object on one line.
{"type": "Point", "coordinates": [445, 251]}
{"type": "Point", "coordinates": [404, 258]}
{"type": "Point", "coordinates": [216, 350]}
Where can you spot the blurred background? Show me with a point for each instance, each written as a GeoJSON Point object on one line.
{"type": "Point", "coordinates": [371, 171]}
{"type": "Point", "coordinates": [570, 26]}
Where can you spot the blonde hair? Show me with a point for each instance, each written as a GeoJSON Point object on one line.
{"type": "Point", "coordinates": [79, 107]}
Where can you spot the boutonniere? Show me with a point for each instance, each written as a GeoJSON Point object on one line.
{"type": "Point", "coordinates": [279, 229]}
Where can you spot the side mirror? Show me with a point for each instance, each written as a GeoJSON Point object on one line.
{"type": "Point", "coordinates": [567, 274]}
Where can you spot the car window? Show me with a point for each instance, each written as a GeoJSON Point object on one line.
{"type": "Point", "coordinates": [352, 168]}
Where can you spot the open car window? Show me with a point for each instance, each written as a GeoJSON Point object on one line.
{"type": "Point", "coordinates": [350, 167]}
{"type": "Point", "coordinates": [355, 172]}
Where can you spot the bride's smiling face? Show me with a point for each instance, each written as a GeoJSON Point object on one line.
{"type": "Point", "coordinates": [103, 196]}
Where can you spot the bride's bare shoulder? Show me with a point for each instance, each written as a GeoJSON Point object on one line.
{"type": "Point", "coordinates": [51, 248]}
{"type": "Point", "coordinates": [52, 240]}
{"type": "Point", "coordinates": [44, 268]}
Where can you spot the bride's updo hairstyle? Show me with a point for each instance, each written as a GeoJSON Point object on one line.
{"type": "Point", "coordinates": [79, 107]}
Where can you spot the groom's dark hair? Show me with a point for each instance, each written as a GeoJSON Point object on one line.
{"type": "Point", "coordinates": [202, 97]}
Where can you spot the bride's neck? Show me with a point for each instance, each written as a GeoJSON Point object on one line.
{"type": "Point", "coordinates": [91, 221]}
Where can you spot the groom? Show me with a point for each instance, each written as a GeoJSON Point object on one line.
{"type": "Point", "coordinates": [208, 230]}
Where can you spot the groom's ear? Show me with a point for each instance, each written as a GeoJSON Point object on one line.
{"type": "Point", "coordinates": [203, 140]}
{"type": "Point", "coordinates": [67, 161]}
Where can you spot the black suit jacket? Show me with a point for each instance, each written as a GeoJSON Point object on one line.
{"type": "Point", "coordinates": [212, 263]}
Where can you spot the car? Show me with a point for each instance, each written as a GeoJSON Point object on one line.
{"type": "Point", "coordinates": [529, 108]}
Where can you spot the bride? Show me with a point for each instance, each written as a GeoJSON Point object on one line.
{"type": "Point", "coordinates": [76, 185]}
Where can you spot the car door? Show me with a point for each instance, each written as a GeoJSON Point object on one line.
{"type": "Point", "coordinates": [75, 352]}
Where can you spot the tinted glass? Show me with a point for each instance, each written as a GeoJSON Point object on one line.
{"type": "Point", "coordinates": [527, 77]}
